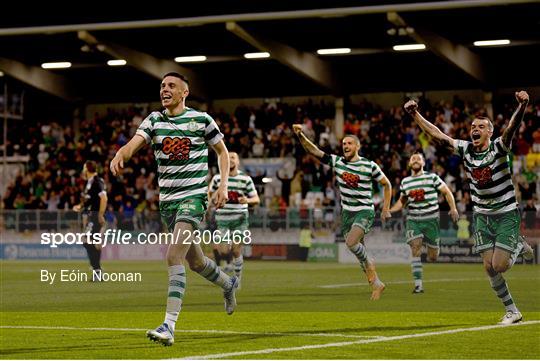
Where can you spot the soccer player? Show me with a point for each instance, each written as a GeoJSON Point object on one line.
{"type": "Point", "coordinates": [93, 206]}
{"type": "Point", "coordinates": [418, 193]}
{"type": "Point", "coordinates": [232, 219]}
{"type": "Point", "coordinates": [355, 176]}
{"type": "Point", "coordinates": [180, 138]}
{"type": "Point", "coordinates": [496, 216]}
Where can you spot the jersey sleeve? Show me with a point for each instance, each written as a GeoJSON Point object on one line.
{"type": "Point", "coordinates": [146, 129]}
{"type": "Point", "coordinates": [212, 134]}
{"type": "Point", "coordinates": [500, 147]}
{"type": "Point", "coordinates": [251, 191]}
{"type": "Point", "coordinates": [402, 192]}
{"type": "Point", "coordinates": [101, 187]}
{"type": "Point", "coordinates": [460, 146]}
{"type": "Point", "coordinates": [330, 159]}
{"type": "Point", "coordinates": [438, 182]}
{"type": "Point", "coordinates": [376, 172]}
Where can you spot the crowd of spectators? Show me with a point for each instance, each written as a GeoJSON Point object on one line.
{"type": "Point", "coordinates": [52, 178]}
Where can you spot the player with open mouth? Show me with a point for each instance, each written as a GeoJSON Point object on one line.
{"type": "Point", "coordinates": [355, 175]}
{"type": "Point", "coordinates": [496, 215]}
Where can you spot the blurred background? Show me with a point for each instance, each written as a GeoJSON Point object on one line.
{"type": "Point", "coordinates": [76, 87]}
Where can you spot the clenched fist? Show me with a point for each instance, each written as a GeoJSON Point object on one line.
{"type": "Point", "coordinates": [411, 107]}
{"type": "Point", "coordinates": [297, 129]}
{"type": "Point", "coordinates": [522, 97]}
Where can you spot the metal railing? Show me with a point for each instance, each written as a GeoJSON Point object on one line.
{"type": "Point", "coordinates": [262, 219]}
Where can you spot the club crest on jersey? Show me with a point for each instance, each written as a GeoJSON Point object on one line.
{"type": "Point", "coordinates": [193, 126]}
{"type": "Point", "coordinates": [365, 169]}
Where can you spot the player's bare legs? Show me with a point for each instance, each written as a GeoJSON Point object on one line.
{"type": "Point", "coordinates": [416, 264]}
{"type": "Point", "coordinates": [432, 254]}
{"type": "Point", "coordinates": [495, 263]}
{"type": "Point", "coordinates": [207, 268]}
{"type": "Point", "coordinates": [224, 250]}
{"type": "Point", "coordinates": [355, 242]}
{"type": "Point", "coordinates": [176, 256]}
{"type": "Point", "coordinates": [238, 261]}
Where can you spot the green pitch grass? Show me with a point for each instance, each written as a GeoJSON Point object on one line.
{"type": "Point", "coordinates": [286, 310]}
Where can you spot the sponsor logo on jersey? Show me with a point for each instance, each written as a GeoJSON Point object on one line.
{"type": "Point", "coordinates": [418, 195]}
{"type": "Point", "coordinates": [482, 176]}
{"type": "Point", "coordinates": [177, 148]}
{"type": "Point", "coordinates": [351, 179]}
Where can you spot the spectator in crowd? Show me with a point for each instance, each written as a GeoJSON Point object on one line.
{"type": "Point", "coordinates": [50, 180]}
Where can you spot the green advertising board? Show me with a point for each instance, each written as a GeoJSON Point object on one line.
{"type": "Point", "coordinates": [323, 252]}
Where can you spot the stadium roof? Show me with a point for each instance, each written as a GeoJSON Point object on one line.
{"type": "Point", "coordinates": [291, 32]}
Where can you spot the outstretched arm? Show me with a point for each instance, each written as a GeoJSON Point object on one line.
{"type": "Point", "coordinates": [451, 202]}
{"type": "Point", "coordinates": [125, 153]}
{"type": "Point", "coordinates": [430, 129]}
{"type": "Point", "coordinates": [306, 143]}
{"type": "Point", "coordinates": [522, 98]}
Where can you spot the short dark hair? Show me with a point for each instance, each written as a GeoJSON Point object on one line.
{"type": "Point", "coordinates": [177, 75]}
{"type": "Point", "coordinates": [490, 123]}
{"type": "Point", "coordinates": [91, 166]}
{"type": "Point", "coordinates": [420, 153]}
{"type": "Point", "coordinates": [353, 137]}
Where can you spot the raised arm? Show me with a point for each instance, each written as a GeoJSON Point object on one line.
{"type": "Point", "coordinates": [306, 143]}
{"type": "Point", "coordinates": [125, 153]}
{"type": "Point", "coordinates": [454, 214]}
{"type": "Point", "coordinates": [430, 129]}
{"type": "Point", "coordinates": [221, 195]}
{"type": "Point", "coordinates": [523, 98]}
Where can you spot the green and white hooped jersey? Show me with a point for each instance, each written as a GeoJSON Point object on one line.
{"type": "Point", "coordinates": [180, 145]}
{"type": "Point", "coordinates": [355, 181]}
{"type": "Point", "coordinates": [492, 190]}
{"type": "Point", "coordinates": [422, 195]}
{"type": "Point", "coordinates": [240, 185]}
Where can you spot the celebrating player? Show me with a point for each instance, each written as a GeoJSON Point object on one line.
{"type": "Point", "coordinates": [418, 193]}
{"type": "Point", "coordinates": [180, 137]}
{"type": "Point", "coordinates": [496, 216]}
{"type": "Point", "coordinates": [93, 206]}
{"type": "Point", "coordinates": [355, 175]}
{"type": "Point", "coordinates": [232, 219]}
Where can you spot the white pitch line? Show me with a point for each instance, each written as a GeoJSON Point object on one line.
{"type": "Point", "coordinates": [404, 282]}
{"type": "Point", "coordinates": [225, 332]}
{"type": "Point", "coordinates": [358, 342]}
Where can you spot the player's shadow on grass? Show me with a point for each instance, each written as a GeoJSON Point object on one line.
{"type": "Point", "coordinates": [378, 328]}
{"type": "Point", "coordinates": [42, 352]}
{"type": "Point", "coordinates": [304, 294]}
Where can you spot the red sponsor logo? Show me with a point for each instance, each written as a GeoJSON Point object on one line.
{"type": "Point", "coordinates": [177, 148]}
{"type": "Point", "coordinates": [482, 176]}
{"type": "Point", "coordinates": [418, 195]}
{"type": "Point", "coordinates": [351, 179]}
{"type": "Point", "coordinates": [233, 197]}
